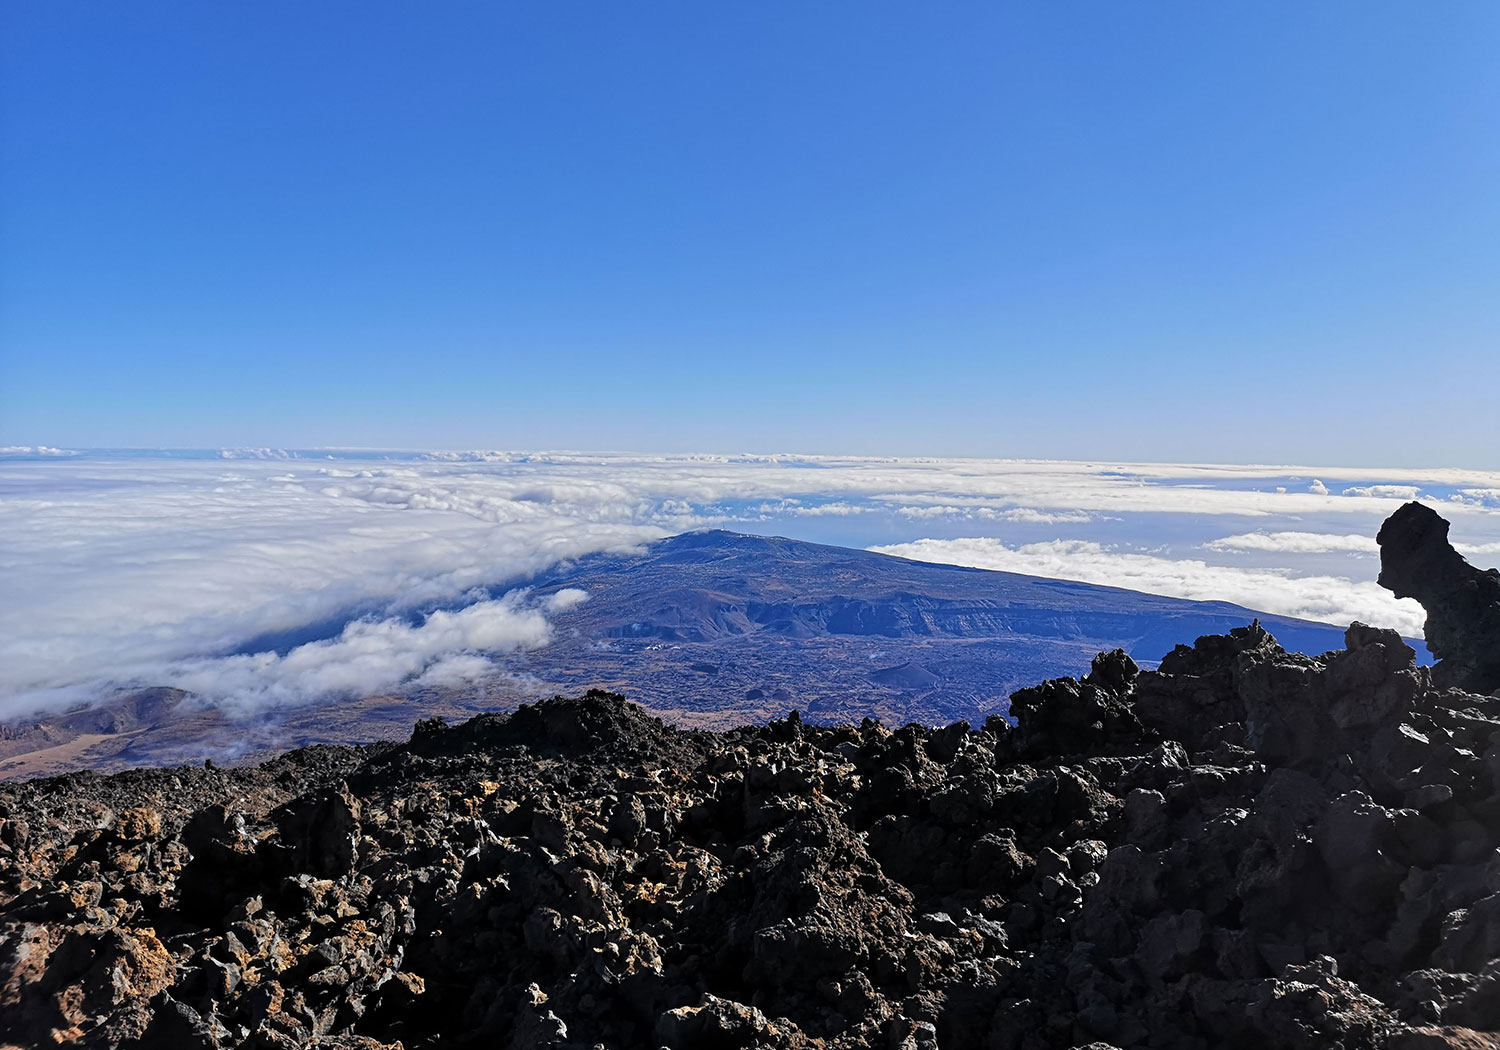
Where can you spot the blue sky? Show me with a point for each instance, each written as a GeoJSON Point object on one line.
{"type": "Point", "coordinates": [1229, 232]}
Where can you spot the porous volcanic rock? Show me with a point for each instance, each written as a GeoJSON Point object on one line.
{"type": "Point", "coordinates": [1246, 848]}
{"type": "Point", "coordinates": [1462, 602]}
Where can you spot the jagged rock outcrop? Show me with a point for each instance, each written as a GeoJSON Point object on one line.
{"type": "Point", "coordinates": [1462, 602]}
{"type": "Point", "coordinates": [1246, 848]}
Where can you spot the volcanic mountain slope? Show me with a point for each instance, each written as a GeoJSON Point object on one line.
{"type": "Point", "coordinates": [1246, 848]}
{"type": "Point", "coordinates": [711, 584]}
{"type": "Point", "coordinates": [716, 629]}
{"type": "Point", "coordinates": [709, 629]}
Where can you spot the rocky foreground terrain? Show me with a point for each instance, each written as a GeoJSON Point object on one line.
{"type": "Point", "coordinates": [1245, 848]}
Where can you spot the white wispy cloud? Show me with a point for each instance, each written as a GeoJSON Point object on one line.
{"type": "Point", "coordinates": [35, 450]}
{"type": "Point", "coordinates": [1025, 515]}
{"type": "Point", "coordinates": [1328, 599]}
{"type": "Point", "coordinates": [1324, 543]}
{"type": "Point", "coordinates": [793, 508]}
{"type": "Point", "coordinates": [565, 599]}
{"type": "Point", "coordinates": [1401, 492]}
{"type": "Point", "coordinates": [1296, 543]}
{"type": "Point", "coordinates": [257, 453]}
{"type": "Point", "coordinates": [1029, 516]}
{"type": "Point", "coordinates": [370, 657]}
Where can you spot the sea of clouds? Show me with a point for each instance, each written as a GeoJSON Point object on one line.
{"type": "Point", "coordinates": [268, 577]}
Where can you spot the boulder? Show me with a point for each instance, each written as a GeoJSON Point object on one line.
{"type": "Point", "coordinates": [1462, 602]}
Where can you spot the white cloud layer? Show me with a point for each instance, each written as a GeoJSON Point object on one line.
{"type": "Point", "coordinates": [565, 599]}
{"type": "Point", "coordinates": [34, 450]}
{"type": "Point", "coordinates": [1401, 492]}
{"type": "Point", "coordinates": [1326, 543]}
{"type": "Point", "coordinates": [152, 569]}
{"type": "Point", "coordinates": [1329, 599]}
{"type": "Point", "coordinates": [1025, 515]}
{"type": "Point", "coordinates": [370, 657]}
{"type": "Point", "coordinates": [1296, 543]}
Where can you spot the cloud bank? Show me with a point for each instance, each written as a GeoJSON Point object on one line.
{"type": "Point", "coordinates": [1329, 599]}
{"type": "Point", "coordinates": [1326, 543]}
{"type": "Point", "coordinates": [216, 572]}
{"type": "Point", "coordinates": [1296, 543]}
{"type": "Point", "coordinates": [370, 657]}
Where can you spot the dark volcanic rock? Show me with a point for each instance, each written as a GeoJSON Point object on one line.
{"type": "Point", "coordinates": [1462, 602]}
{"type": "Point", "coordinates": [1244, 849]}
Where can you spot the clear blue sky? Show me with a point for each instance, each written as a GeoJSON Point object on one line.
{"type": "Point", "coordinates": [1230, 231]}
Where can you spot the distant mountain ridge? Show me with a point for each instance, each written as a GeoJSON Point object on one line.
{"type": "Point", "coordinates": [715, 627]}
{"type": "Point", "coordinates": [709, 629]}
{"type": "Point", "coordinates": [726, 583]}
